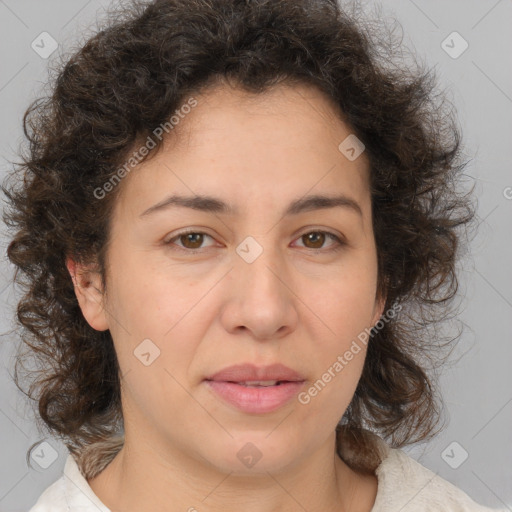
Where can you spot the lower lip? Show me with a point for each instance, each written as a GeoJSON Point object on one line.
{"type": "Point", "coordinates": [257, 400]}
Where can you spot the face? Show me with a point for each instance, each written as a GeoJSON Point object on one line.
{"type": "Point", "coordinates": [260, 275]}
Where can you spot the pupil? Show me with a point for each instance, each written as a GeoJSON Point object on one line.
{"type": "Point", "coordinates": [195, 239]}
{"type": "Point", "coordinates": [319, 238]}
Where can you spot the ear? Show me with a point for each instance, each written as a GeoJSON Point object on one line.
{"type": "Point", "coordinates": [89, 292]}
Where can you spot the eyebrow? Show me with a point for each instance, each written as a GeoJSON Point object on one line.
{"type": "Point", "coordinates": [211, 204]}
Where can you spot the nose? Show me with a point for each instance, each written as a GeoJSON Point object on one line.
{"type": "Point", "coordinates": [261, 299]}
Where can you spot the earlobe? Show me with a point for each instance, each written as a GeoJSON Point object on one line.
{"type": "Point", "coordinates": [89, 293]}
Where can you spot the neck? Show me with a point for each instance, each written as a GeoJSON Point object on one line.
{"type": "Point", "coordinates": [141, 478]}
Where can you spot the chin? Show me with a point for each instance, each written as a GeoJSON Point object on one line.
{"type": "Point", "coordinates": [253, 453]}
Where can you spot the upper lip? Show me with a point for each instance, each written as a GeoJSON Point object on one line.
{"type": "Point", "coordinates": [250, 372]}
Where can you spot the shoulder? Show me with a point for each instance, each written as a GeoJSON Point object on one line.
{"type": "Point", "coordinates": [70, 492]}
{"type": "Point", "coordinates": [406, 485]}
{"type": "Point", "coordinates": [53, 499]}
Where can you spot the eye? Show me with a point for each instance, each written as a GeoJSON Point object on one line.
{"type": "Point", "coordinates": [190, 241]}
{"type": "Point", "coordinates": [316, 239]}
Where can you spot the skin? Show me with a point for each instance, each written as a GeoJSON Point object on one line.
{"type": "Point", "coordinates": [299, 303]}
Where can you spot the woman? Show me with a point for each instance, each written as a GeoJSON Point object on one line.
{"type": "Point", "coordinates": [233, 220]}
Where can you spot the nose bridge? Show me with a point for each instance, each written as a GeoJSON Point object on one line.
{"type": "Point", "coordinates": [261, 302]}
{"type": "Point", "coordinates": [259, 266]}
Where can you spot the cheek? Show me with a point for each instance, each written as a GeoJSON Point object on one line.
{"type": "Point", "coordinates": [325, 399]}
{"type": "Point", "coordinates": [343, 305]}
{"type": "Point", "coordinates": [157, 395]}
{"type": "Point", "coordinates": [341, 317]}
{"type": "Point", "coordinates": [155, 329]}
{"type": "Point", "coordinates": [150, 301]}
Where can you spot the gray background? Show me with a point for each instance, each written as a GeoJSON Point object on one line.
{"type": "Point", "coordinates": [478, 385]}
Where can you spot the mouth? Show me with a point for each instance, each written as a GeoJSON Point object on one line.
{"type": "Point", "coordinates": [256, 397]}
{"type": "Point", "coordinates": [256, 390]}
{"type": "Point", "coordinates": [260, 383]}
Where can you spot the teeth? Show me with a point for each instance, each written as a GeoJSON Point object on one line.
{"type": "Point", "coordinates": [264, 383]}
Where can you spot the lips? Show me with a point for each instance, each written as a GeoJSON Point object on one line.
{"type": "Point", "coordinates": [254, 389]}
{"type": "Point", "coordinates": [250, 372]}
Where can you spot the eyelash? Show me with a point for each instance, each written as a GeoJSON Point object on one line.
{"type": "Point", "coordinates": [338, 245]}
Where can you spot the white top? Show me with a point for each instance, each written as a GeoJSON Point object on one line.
{"type": "Point", "coordinates": [403, 485]}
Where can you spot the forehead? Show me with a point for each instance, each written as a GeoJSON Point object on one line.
{"type": "Point", "coordinates": [299, 112]}
{"type": "Point", "coordinates": [287, 137]}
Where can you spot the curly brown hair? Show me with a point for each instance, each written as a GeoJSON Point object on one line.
{"type": "Point", "coordinates": [127, 79]}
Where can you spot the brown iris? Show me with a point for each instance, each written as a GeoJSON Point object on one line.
{"type": "Point", "coordinates": [195, 240]}
{"type": "Point", "coordinates": [315, 237]}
